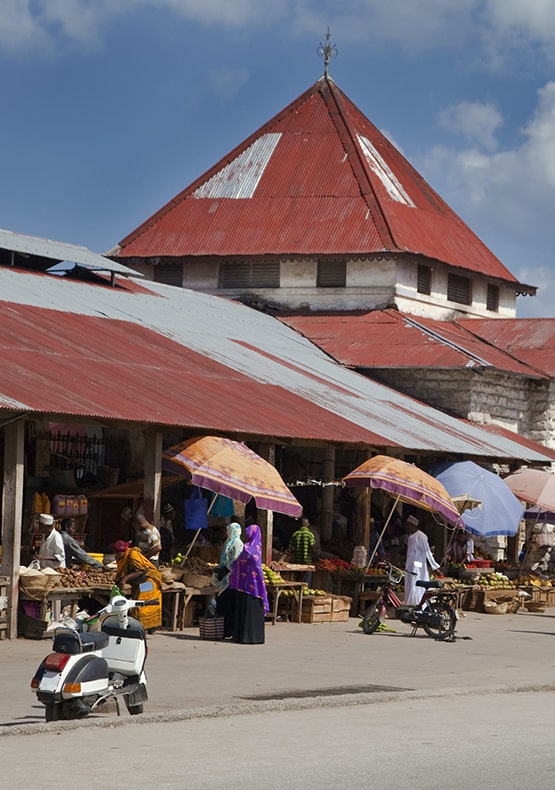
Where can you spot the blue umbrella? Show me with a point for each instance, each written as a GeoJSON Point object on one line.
{"type": "Point", "coordinates": [500, 512]}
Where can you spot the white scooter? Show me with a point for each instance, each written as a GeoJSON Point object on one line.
{"type": "Point", "coordinates": [86, 669]}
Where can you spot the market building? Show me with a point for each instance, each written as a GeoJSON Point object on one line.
{"type": "Point", "coordinates": [318, 219]}
{"type": "Point", "coordinates": [134, 366]}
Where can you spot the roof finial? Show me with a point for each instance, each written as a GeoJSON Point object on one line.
{"type": "Point", "coordinates": [327, 51]}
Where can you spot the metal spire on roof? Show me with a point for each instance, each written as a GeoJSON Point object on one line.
{"type": "Point", "coordinates": [327, 51]}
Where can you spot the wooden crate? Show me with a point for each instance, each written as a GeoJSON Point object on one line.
{"type": "Point", "coordinates": [340, 603]}
{"type": "Point", "coordinates": [316, 609]}
{"type": "Point", "coordinates": [339, 617]}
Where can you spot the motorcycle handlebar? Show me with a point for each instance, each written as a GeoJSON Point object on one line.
{"type": "Point", "coordinates": [147, 603]}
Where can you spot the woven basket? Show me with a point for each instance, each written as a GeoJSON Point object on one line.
{"type": "Point", "coordinates": [495, 607]}
{"type": "Point", "coordinates": [167, 575]}
{"type": "Point", "coordinates": [211, 627]}
{"type": "Point", "coordinates": [535, 606]}
{"type": "Point", "coordinates": [195, 580]}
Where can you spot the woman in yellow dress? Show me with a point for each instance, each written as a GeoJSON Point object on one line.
{"type": "Point", "coordinates": [146, 582]}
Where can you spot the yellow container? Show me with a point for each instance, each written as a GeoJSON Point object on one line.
{"type": "Point", "coordinates": [98, 557]}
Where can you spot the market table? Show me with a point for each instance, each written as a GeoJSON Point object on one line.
{"type": "Point", "coordinates": [292, 572]}
{"type": "Point", "coordinates": [274, 591]}
{"type": "Point", "coordinates": [172, 600]}
{"type": "Point", "coordinates": [353, 584]}
{"type": "Point", "coordinates": [58, 596]}
{"type": "Point", "coordinates": [188, 594]}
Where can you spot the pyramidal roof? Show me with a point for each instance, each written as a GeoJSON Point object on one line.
{"type": "Point", "coordinates": [318, 179]}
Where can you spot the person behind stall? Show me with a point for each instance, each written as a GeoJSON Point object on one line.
{"type": "Point", "coordinates": [167, 537]}
{"type": "Point", "coordinates": [51, 552]}
{"type": "Point", "coordinates": [73, 551]}
{"type": "Point", "coordinates": [303, 546]}
{"type": "Point", "coordinates": [148, 538]}
{"type": "Point", "coordinates": [375, 541]}
{"type": "Point", "coordinates": [231, 549]}
{"type": "Point", "coordinates": [302, 543]}
{"type": "Point", "coordinates": [461, 547]}
{"type": "Point", "coordinates": [419, 555]}
{"type": "Point", "coordinates": [135, 569]}
{"type": "Point", "coordinates": [250, 599]}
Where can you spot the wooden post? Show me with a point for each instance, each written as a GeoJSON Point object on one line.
{"type": "Point", "coordinates": [328, 494]}
{"type": "Point", "coordinates": [266, 517]}
{"type": "Point", "coordinates": [12, 513]}
{"type": "Point", "coordinates": [153, 476]}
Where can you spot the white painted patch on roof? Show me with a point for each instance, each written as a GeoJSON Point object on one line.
{"type": "Point", "coordinates": [379, 166]}
{"type": "Point", "coordinates": [240, 178]}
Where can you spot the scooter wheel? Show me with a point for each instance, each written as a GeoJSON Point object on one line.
{"type": "Point", "coordinates": [372, 618]}
{"type": "Point", "coordinates": [53, 711]}
{"type": "Point", "coordinates": [134, 710]}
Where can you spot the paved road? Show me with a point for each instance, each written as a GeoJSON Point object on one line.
{"type": "Point", "coordinates": [303, 665]}
{"type": "Point", "coordinates": [444, 743]}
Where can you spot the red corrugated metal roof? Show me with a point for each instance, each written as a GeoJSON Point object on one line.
{"type": "Point", "coordinates": [319, 178]}
{"type": "Point", "coordinates": [67, 363]}
{"type": "Point", "coordinates": [389, 339]}
{"type": "Point", "coordinates": [532, 340]}
{"type": "Point", "coordinates": [153, 354]}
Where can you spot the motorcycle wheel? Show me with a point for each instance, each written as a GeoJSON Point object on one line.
{"type": "Point", "coordinates": [448, 621]}
{"type": "Point", "coordinates": [134, 710]}
{"type": "Point", "coordinates": [53, 711]}
{"type": "Point", "coordinates": [372, 618]}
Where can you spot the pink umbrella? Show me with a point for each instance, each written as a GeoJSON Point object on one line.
{"type": "Point", "coordinates": [536, 486]}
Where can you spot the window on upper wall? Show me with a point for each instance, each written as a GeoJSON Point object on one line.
{"type": "Point", "coordinates": [249, 275]}
{"type": "Point", "coordinates": [169, 273]}
{"type": "Point", "coordinates": [459, 289]}
{"type": "Point", "coordinates": [424, 279]}
{"type": "Point", "coordinates": [331, 274]}
{"type": "Point", "coordinates": [492, 302]}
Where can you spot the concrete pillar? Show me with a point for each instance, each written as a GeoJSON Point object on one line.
{"type": "Point", "coordinates": [153, 476]}
{"type": "Point", "coordinates": [12, 513]}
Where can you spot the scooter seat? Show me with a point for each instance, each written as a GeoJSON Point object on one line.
{"type": "Point", "coordinates": [429, 585]}
{"type": "Point", "coordinates": [94, 641]}
{"type": "Point", "coordinates": [72, 643]}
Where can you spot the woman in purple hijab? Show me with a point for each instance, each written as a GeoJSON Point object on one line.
{"type": "Point", "coordinates": [251, 598]}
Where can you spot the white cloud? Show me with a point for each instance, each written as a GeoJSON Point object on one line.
{"type": "Point", "coordinates": [476, 121]}
{"type": "Point", "coordinates": [507, 196]}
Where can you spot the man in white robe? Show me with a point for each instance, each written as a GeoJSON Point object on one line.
{"type": "Point", "coordinates": [418, 556]}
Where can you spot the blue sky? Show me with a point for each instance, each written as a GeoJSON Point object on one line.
{"type": "Point", "coordinates": [111, 107]}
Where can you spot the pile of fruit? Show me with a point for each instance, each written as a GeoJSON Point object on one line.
{"type": "Point", "coordinates": [194, 565]}
{"type": "Point", "coordinates": [532, 581]}
{"type": "Point", "coordinates": [87, 578]}
{"type": "Point", "coordinates": [271, 576]}
{"type": "Point", "coordinates": [341, 566]}
{"type": "Point", "coordinates": [494, 581]}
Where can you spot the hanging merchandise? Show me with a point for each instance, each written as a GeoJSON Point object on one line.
{"type": "Point", "coordinates": [221, 506]}
{"type": "Point", "coordinates": [46, 507]}
{"type": "Point", "coordinates": [37, 503]}
{"type": "Point", "coordinates": [196, 510]}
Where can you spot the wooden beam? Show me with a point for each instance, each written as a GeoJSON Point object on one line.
{"type": "Point", "coordinates": [153, 476]}
{"type": "Point", "coordinates": [12, 513]}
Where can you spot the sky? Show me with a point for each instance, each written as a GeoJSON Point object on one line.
{"type": "Point", "coordinates": [112, 107]}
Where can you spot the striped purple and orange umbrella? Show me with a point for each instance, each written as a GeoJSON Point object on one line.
{"type": "Point", "coordinates": [405, 483]}
{"type": "Point", "coordinates": [232, 469]}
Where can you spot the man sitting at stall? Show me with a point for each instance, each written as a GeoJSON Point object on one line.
{"type": "Point", "coordinates": [148, 539]}
{"type": "Point", "coordinates": [73, 551]}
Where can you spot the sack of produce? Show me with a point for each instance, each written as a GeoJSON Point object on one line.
{"type": "Point", "coordinates": [34, 585]}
